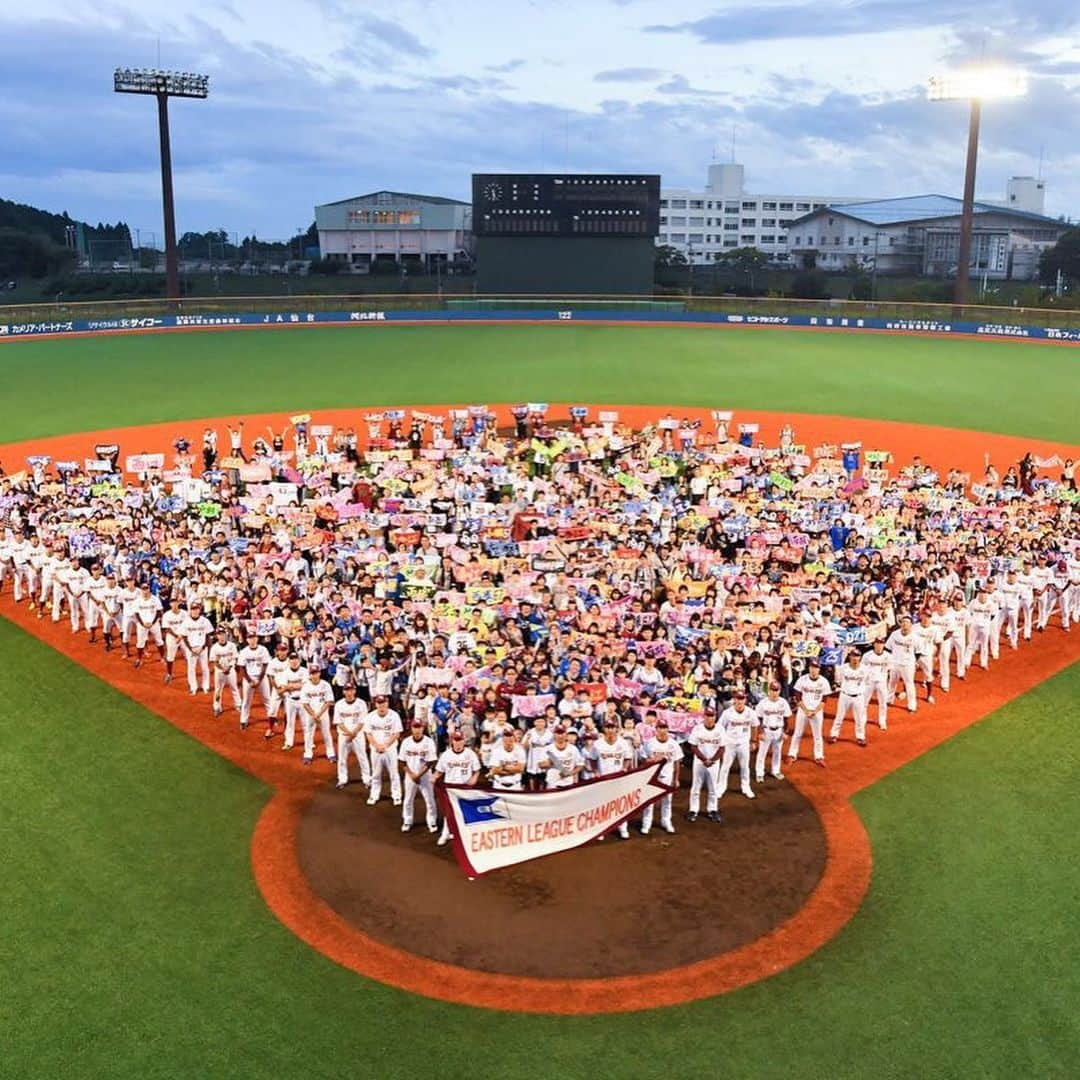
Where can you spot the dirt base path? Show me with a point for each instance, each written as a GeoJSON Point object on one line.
{"type": "Point", "coordinates": [838, 894]}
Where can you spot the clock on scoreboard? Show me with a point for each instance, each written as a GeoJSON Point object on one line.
{"type": "Point", "coordinates": [566, 205]}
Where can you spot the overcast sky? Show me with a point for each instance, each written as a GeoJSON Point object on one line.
{"type": "Point", "coordinates": [317, 100]}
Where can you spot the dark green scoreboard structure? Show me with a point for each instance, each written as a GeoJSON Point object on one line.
{"type": "Point", "coordinates": [546, 234]}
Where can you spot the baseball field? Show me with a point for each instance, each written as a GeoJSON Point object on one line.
{"type": "Point", "coordinates": [135, 941]}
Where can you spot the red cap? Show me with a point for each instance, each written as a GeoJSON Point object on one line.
{"type": "Point", "coordinates": [560, 729]}
{"type": "Point", "coordinates": [739, 695]}
{"type": "Point", "coordinates": [417, 724]}
{"type": "Point", "coordinates": [509, 730]}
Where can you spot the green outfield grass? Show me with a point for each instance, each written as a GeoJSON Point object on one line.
{"type": "Point", "coordinates": [1002, 386]}
{"type": "Point", "coordinates": [134, 943]}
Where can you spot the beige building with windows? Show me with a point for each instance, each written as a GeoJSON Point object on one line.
{"type": "Point", "coordinates": [418, 231]}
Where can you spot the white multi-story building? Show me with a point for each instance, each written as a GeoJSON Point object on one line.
{"type": "Point", "coordinates": [724, 216]}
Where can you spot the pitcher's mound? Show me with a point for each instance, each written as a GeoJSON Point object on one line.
{"type": "Point", "coordinates": [615, 907]}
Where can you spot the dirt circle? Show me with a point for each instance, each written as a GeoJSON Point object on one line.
{"type": "Point", "coordinates": [610, 908]}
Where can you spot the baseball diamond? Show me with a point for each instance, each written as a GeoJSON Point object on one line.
{"type": "Point", "coordinates": [356, 597]}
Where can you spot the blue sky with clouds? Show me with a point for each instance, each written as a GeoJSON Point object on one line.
{"type": "Point", "coordinates": [317, 100]}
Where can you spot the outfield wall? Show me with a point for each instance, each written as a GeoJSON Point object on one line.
{"type": "Point", "coordinates": [659, 313]}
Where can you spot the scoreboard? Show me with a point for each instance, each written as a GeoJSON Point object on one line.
{"type": "Point", "coordinates": [559, 205]}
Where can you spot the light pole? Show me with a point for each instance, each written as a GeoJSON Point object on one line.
{"type": "Point", "coordinates": [974, 85]}
{"type": "Point", "coordinates": [164, 85]}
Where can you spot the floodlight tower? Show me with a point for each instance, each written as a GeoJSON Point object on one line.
{"type": "Point", "coordinates": [975, 85]}
{"type": "Point", "coordinates": [164, 85]}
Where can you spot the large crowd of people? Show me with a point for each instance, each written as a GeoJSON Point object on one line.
{"type": "Point", "coordinates": [536, 606]}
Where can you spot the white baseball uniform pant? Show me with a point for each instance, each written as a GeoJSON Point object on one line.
{"type": "Point", "coordinates": [878, 688]}
{"type": "Point", "coordinates": [77, 609]}
{"type": "Point", "coordinates": [94, 614]}
{"type": "Point", "coordinates": [772, 739]}
{"type": "Point", "coordinates": [995, 635]}
{"type": "Point", "coordinates": [850, 703]}
{"type": "Point", "coordinates": [816, 721]}
{"type": "Point", "coordinates": [59, 595]}
{"type": "Point", "coordinates": [357, 746]}
{"type": "Point", "coordinates": [732, 752]}
{"type": "Point", "coordinates": [143, 634]}
{"type": "Point", "coordinates": [26, 576]}
{"type": "Point", "coordinates": [1027, 606]}
{"type": "Point", "coordinates": [172, 647]}
{"type": "Point", "coordinates": [664, 803]}
{"type": "Point", "coordinates": [924, 663]}
{"type": "Point", "coordinates": [292, 714]}
{"type": "Point", "coordinates": [247, 695]}
{"type": "Point", "coordinates": [978, 641]}
{"type": "Point", "coordinates": [309, 734]}
{"type": "Point", "coordinates": [1010, 619]}
{"type": "Point", "coordinates": [388, 761]}
{"type": "Point", "coordinates": [702, 775]}
{"type": "Point", "coordinates": [198, 669]}
{"type": "Point", "coordinates": [945, 655]}
{"type": "Point", "coordinates": [905, 673]}
{"type": "Point", "coordinates": [44, 587]}
{"type": "Point", "coordinates": [127, 624]}
{"type": "Point", "coordinates": [221, 680]}
{"type": "Point", "coordinates": [427, 789]}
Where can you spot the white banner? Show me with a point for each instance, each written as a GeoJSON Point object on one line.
{"type": "Point", "coordinates": [494, 828]}
{"type": "Point", "coordinates": [144, 463]}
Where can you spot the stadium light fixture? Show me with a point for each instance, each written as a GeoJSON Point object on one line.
{"type": "Point", "coordinates": [976, 85]}
{"type": "Point", "coordinates": [164, 85]}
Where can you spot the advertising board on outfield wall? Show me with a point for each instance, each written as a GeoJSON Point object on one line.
{"type": "Point", "coordinates": [62, 327]}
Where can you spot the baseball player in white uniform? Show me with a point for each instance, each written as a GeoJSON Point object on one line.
{"type": "Point", "coordinates": [812, 689]}
{"type": "Point", "coordinates": [561, 761]}
{"type": "Point", "coordinates": [101, 595]}
{"type": "Point", "coordinates": [983, 611]}
{"type": "Point", "coordinates": [251, 663]}
{"type": "Point", "coordinates": [456, 765]}
{"type": "Point", "coordinates": [506, 765]}
{"type": "Point", "coordinates": [738, 721]}
{"type": "Point", "coordinates": [349, 715]}
{"type": "Point", "coordinates": [316, 701]}
{"type": "Point", "coordinates": [706, 742]}
{"type": "Point", "coordinates": [773, 714]}
{"type": "Point", "coordinates": [195, 634]}
{"type": "Point", "coordinates": [417, 755]}
{"type": "Point", "coordinates": [172, 622]}
{"type": "Point", "coordinates": [851, 681]}
{"type": "Point", "coordinates": [129, 598]}
{"type": "Point", "coordinates": [876, 663]}
{"type": "Point", "coordinates": [383, 729]}
{"type": "Point", "coordinates": [611, 754]}
{"type": "Point", "coordinates": [665, 751]}
{"type": "Point", "coordinates": [223, 655]}
{"type": "Point", "coordinates": [926, 643]}
{"type": "Point", "coordinates": [1026, 579]}
{"type": "Point", "coordinates": [901, 644]}
{"type": "Point", "coordinates": [291, 683]}
{"type": "Point", "coordinates": [275, 674]}
{"type": "Point", "coordinates": [147, 622]}
{"type": "Point", "coordinates": [944, 632]}
{"type": "Point", "coordinates": [1011, 590]}
{"type": "Point", "coordinates": [1041, 576]}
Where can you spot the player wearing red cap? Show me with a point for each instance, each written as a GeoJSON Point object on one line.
{"type": "Point", "coordinates": [561, 760]}
{"type": "Point", "coordinates": [611, 754]}
{"type": "Point", "coordinates": [507, 762]}
{"type": "Point", "coordinates": [417, 754]}
{"type": "Point", "coordinates": [773, 713]}
{"type": "Point", "coordinates": [383, 729]}
{"type": "Point", "coordinates": [738, 721]}
{"type": "Point", "coordinates": [706, 743]}
{"type": "Point", "coordinates": [662, 750]}
{"type": "Point", "coordinates": [456, 765]}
